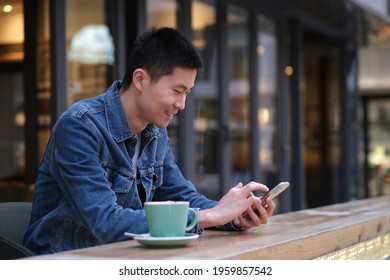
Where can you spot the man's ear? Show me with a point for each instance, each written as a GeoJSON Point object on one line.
{"type": "Point", "coordinates": [139, 78]}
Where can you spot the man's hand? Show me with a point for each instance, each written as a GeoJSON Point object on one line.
{"type": "Point", "coordinates": [255, 215]}
{"type": "Point", "coordinates": [233, 204]}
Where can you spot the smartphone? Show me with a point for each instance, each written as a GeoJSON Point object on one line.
{"type": "Point", "coordinates": [274, 192]}
{"type": "Point", "coordinates": [278, 189]}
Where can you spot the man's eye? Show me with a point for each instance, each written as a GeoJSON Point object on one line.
{"type": "Point", "coordinates": [179, 91]}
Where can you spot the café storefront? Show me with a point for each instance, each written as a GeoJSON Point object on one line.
{"type": "Point", "coordinates": [278, 99]}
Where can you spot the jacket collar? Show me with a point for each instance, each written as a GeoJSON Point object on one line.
{"type": "Point", "coordinates": [116, 118]}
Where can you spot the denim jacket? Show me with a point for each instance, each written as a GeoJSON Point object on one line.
{"type": "Point", "coordinates": [86, 191]}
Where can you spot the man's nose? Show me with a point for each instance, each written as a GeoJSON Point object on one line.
{"type": "Point", "coordinates": [180, 103]}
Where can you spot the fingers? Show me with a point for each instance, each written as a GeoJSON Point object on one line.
{"type": "Point", "coordinates": [253, 216]}
{"type": "Point", "coordinates": [257, 213]}
{"type": "Point", "coordinates": [262, 214]}
{"type": "Point", "coordinates": [254, 186]}
{"type": "Point", "coordinates": [270, 207]}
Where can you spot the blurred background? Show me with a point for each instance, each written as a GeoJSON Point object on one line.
{"type": "Point", "coordinates": [293, 90]}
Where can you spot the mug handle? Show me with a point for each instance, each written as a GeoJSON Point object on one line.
{"type": "Point", "coordinates": [194, 221]}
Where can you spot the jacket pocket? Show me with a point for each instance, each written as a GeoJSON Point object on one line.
{"type": "Point", "coordinates": [152, 176]}
{"type": "Point", "coordinates": [122, 182]}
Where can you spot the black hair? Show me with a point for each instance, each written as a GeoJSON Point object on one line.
{"type": "Point", "coordinates": [159, 51]}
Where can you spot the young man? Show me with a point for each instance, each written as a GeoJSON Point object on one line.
{"type": "Point", "coordinates": [108, 155]}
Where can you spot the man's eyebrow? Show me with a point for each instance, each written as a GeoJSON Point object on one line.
{"type": "Point", "coordinates": [182, 86]}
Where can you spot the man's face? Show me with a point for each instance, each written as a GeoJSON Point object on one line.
{"type": "Point", "coordinates": [160, 101]}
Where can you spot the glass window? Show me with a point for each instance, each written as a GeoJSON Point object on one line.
{"type": "Point", "coordinates": [322, 122]}
{"type": "Point", "coordinates": [206, 99]}
{"type": "Point", "coordinates": [378, 120]}
{"type": "Point", "coordinates": [267, 90]}
{"type": "Point", "coordinates": [90, 49]}
{"type": "Point", "coordinates": [161, 13]}
{"type": "Point", "coordinates": [43, 77]}
{"type": "Point", "coordinates": [11, 31]}
{"type": "Point", "coordinates": [12, 125]}
{"type": "Point", "coordinates": [238, 38]}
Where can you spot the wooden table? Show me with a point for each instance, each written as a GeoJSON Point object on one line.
{"type": "Point", "coordinates": [353, 230]}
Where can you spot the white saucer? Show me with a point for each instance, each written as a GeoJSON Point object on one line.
{"type": "Point", "coordinates": [147, 240]}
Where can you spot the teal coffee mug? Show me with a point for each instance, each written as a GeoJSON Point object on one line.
{"type": "Point", "coordinates": [169, 218]}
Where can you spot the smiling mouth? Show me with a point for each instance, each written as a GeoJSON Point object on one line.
{"type": "Point", "coordinates": [170, 115]}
